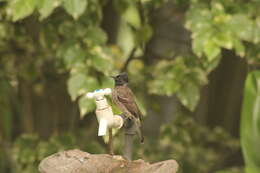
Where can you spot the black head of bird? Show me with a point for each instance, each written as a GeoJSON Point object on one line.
{"type": "Point", "coordinates": [121, 79]}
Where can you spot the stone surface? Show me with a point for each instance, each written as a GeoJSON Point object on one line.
{"type": "Point", "coordinates": [76, 161]}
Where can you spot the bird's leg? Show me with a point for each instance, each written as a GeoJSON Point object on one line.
{"type": "Point", "coordinates": [128, 120]}
{"type": "Point", "coordinates": [110, 142]}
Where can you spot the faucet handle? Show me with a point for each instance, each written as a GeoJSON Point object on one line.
{"type": "Point", "coordinates": [99, 93]}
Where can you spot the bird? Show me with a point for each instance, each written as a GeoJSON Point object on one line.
{"type": "Point", "coordinates": [124, 99]}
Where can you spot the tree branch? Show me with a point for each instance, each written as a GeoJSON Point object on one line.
{"type": "Point", "coordinates": [129, 59]}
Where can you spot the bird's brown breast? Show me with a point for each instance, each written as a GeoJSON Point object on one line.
{"type": "Point", "coordinates": [123, 96]}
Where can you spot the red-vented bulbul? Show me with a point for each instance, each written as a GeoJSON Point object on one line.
{"type": "Point", "coordinates": [123, 98]}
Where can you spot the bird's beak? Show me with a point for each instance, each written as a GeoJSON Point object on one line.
{"type": "Point", "coordinates": [112, 77]}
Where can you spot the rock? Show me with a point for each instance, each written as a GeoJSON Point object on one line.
{"type": "Point", "coordinates": [76, 161]}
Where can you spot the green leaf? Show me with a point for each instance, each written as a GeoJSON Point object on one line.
{"type": "Point", "coordinates": [125, 39]}
{"type": "Point", "coordinates": [79, 84]}
{"type": "Point", "coordinates": [76, 84]}
{"type": "Point", "coordinates": [224, 39]}
{"type": "Point", "coordinates": [22, 8]}
{"type": "Point", "coordinates": [143, 34]}
{"type": "Point", "coordinates": [250, 123]}
{"type": "Point", "coordinates": [198, 45]}
{"type": "Point", "coordinates": [211, 50]}
{"type": "Point", "coordinates": [101, 64]}
{"type": "Point", "coordinates": [256, 37]}
{"type": "Point", "coordinates": [239, 48]}
{"type": "Point", "coordinates": [242, 26]}
{"type": "Point", "coordinates": [217, 8]}
{"type": "Point", "coordinates": [46, 7]}
{"type": "Point", "coordinates": [91, 84]}
{"type": "Point", "coordinates": [189, 95]}
{"type": "Point", "coordinates": [131, 16]}
{"type": "Point", "coordinates": [209, 66]}
{"type": "Point", "coordinates": [101, 60]}
{"type": "Point", "coordinates": [86, 105]}
{"type": "Point", "coordinates": [107, 82]}
{"type": "Point", "coordinates": [96, 35]}
{"type": "Point", "coordinates": [73, 55]}
{"type": "Point", "coordinates": [75, 7]}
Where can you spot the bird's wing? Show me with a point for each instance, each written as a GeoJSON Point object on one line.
{"type": "Point", "coordinates": [119, 104]}
{"type": "Point", "coordinates": [126, 97]}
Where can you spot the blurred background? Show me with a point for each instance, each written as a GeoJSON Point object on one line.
{"type": "Point", "coordinates": [192, 65]}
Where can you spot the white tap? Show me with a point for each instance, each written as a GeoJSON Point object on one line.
{"type": "Point", "coordinates": [104, 112]}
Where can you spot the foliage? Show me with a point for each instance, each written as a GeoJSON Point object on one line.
{"type": "Point", "coordinates": [222, 24]}
{"type": "Point", "coordinates": [250, 129]}
{"type": "Point", "coordinates": [181, 75]}
{"type": "Point", "coordinates": [192, 145]}
{"type": "Point", "coordinates": [29, 150]}
{"type": "Point", "coordinates": [214, 25]}
{"type": "Point", "coordinates": [42, 41]}
{"type": "Point", "coordinates": [82, 48]}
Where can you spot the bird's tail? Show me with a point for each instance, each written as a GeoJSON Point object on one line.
{"type": "Point", "coordinates": [139, 131]}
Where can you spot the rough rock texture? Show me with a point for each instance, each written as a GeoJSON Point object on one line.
{"type": "Point", "coordinates": [76, 161]}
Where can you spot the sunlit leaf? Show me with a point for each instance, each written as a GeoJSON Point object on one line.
{"type": "Point", "coordinates": [256, 37]}
{"type": "Point", "coordinates": [131, 16]}
{"type": "Point", "coordinates": [210, 66]}
{"type": "Point", "coordinates": [198, 45]}
{"type": "Point", "coordinates": [189, 95]}
{"type": "Point", "coordinates": [211, 49]}
{"type": "Point", "coordinates": [22, 8]}
{"type": "Point", "coordinates": [101, 64]}
{"type": "Point", "coordinates": [239, 48]}
{"type": "Point", "coordinates": [96, 35]}
{"type": "Point", "coordinates": [46, 7]}
{"type": "Point", "coordinates": [73, 55]}
{"type": "Point", "coordinates": [143, 34]}
{"type": "Point", "coordinates": [101, 60]}
{"type": "Point", "coordinates": [242, 26]}
{"type": "Point", "coordinates": [86, 105]}
{"type": "Point", "coordinates": [224, 40]}
{"type": "Point", "coordinates": [76, 83]}
{"type": "Point", "coordinates": [75, 7]}
{"type": "Point", "coordinates": [125, 40]}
